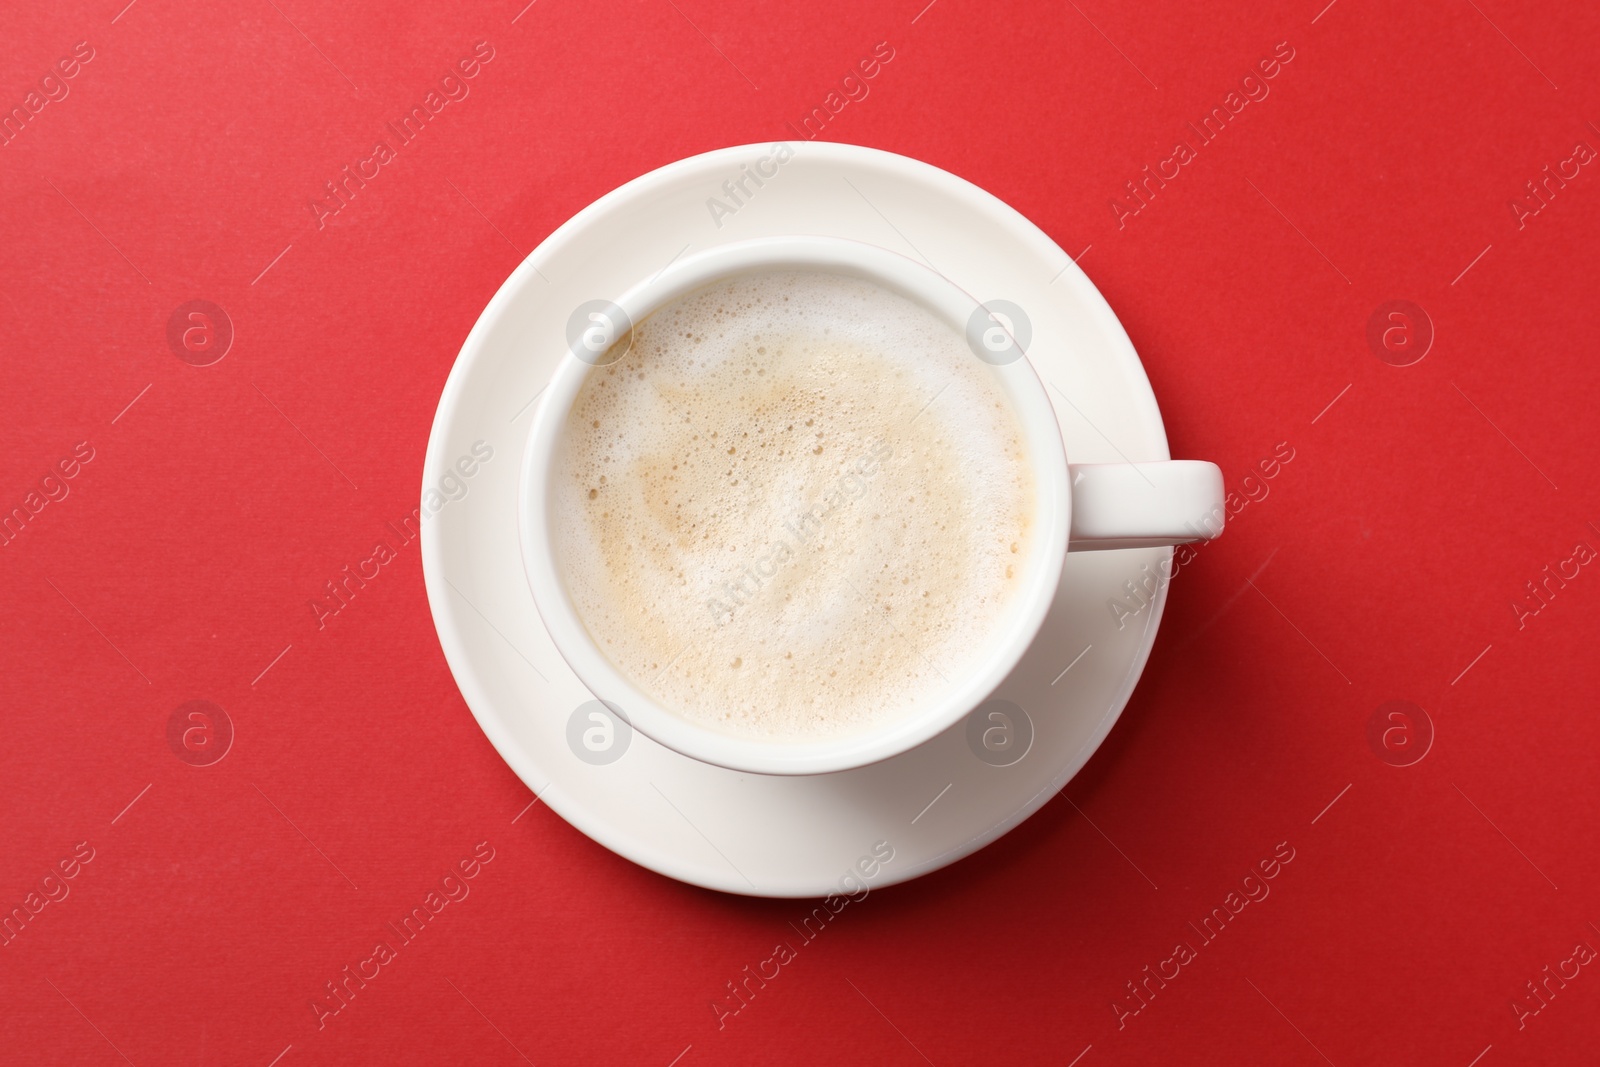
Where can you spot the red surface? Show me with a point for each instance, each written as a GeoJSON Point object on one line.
{"type": "Point", "coordinates": [1385, 557]}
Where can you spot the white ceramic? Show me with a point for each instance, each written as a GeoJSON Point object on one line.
{"type": "Point", "coordinates": [776, 835]}
{"type": "Point", "coordinates": [1098, 504]}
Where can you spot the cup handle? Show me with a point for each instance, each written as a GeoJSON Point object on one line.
{"type": "Point", "coordinates": [1145, 505]}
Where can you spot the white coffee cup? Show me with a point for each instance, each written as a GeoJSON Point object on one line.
{"type": "Point", "coordinates": [1081, 506]}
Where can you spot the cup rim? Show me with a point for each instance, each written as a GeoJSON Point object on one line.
{"type": "Point", "coordinates": [607, 682]}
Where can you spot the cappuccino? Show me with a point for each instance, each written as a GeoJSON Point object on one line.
{"type": "Point", "coordinates": [798, 508]}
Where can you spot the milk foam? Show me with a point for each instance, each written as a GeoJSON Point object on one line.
{"type": "Point", "coordinates": [797, 509]}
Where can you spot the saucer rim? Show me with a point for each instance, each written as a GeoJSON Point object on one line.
{"type": "Point", "coordinates": [447, 618]}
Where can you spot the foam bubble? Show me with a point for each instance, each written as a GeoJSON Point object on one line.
{"type": "Point", "coordinates": [797, 509]}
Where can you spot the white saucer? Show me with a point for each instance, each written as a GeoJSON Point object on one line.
{"type": "Point", "coordinates": [775, 836]}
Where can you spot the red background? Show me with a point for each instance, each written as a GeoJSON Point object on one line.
{"type": "Point", "coordinates": [1385, 559]}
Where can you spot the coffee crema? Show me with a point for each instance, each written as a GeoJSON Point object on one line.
{"type": "Point", "coordinates": [797, 509]}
